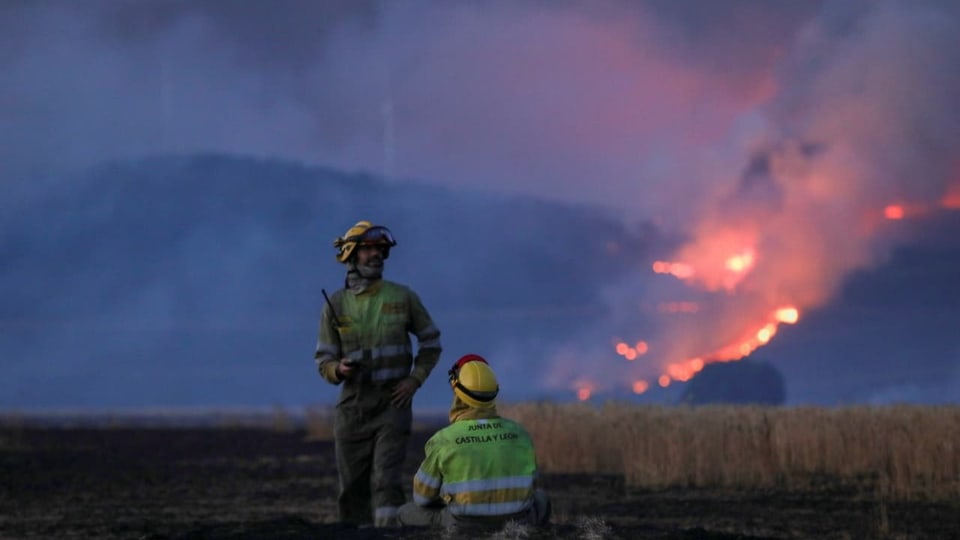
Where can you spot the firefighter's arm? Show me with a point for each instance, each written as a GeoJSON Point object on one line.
{"type": "Point", "coordinates": [428, 340]}
{"type": "Point", "coordinates": [429, 478]}
{"type": "Point", "coordinates": [327, 355]}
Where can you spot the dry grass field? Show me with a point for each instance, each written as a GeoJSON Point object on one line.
{"type": "Point", "coordinates": [898, 452]}
{"type": "Point", "coordinates": [615, 471]}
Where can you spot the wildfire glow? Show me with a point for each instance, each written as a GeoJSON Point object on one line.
{"type": "Point", "coordinates": [740, 263]}
{"type": "Point", "coordinates": [584, 392]}
{"type": "Point", "coordinates": [719, 261]}
{"type": "Point", "coordinates": [766, 333]}
{"type": "Point", "coordinates": [952, 199]}
{"type": "Point", "coordinates": [751, 342]}
{"type": "Point", "coordinates": [789, 315]}
{"type": "Point", "coordinates": [893, 211]}
{"type": "Point", "coordinates": [632, 353]}
{"type": "Point", "coordinates": [676, 269]}
{"type": "Point", "coordinates": [684, 371]}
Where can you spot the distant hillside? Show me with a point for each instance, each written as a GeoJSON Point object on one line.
{"type": "Point", "coordinates": [196, 280]}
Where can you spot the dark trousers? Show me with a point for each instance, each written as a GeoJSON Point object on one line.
{"type": "Point", "coordinates": [371, 449]}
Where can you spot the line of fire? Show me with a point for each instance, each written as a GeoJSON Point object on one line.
{"type": "Point", "coordinates": [719, 261]}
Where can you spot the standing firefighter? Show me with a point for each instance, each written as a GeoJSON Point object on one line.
{"type": "Point", "coordinates": [365, 345]}
{"type": "Point", "coordinates": [481, 469]}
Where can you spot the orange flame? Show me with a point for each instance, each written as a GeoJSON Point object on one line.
{"type": "Point", "coordinates": [664, 381]}
{"type": "Point", "coordinates": [684, 371]}
{"type": "Point", "coordinates": [740, 263]}
{"type": "Point", "coordinates": [951, 200]}
{"type": "Point", "coordinates": [789, 315]}
{"type": "Point", "coordinates": [765, 334]}
{"type": "Point", "coordinates": [640, 386]}
{"type": "Point", "coordinates": [678, 270]}
{"type": "Point", "coordinates": [721, 257]}
{"type": "Point", "coordinates": [893, 211]}
{"type": "Point", "coordinates": [631, 353]}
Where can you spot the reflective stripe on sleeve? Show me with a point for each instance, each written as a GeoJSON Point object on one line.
{"type": "Point", "coordinates": [426, 479]}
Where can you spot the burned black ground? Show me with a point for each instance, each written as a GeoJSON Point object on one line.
{"type": "Point", "coordinates": [252, 483]}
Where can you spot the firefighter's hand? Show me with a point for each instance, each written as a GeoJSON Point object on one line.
{"type": "Point", "coordinates": [404, 391]}
{"type": "Point", "coordinates": [345, 369]}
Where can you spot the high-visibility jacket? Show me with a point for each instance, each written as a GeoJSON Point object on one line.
{"type": "Point", "coordinates": [375, 328]}
{"type": "Point", "coordinates": [483, 467]}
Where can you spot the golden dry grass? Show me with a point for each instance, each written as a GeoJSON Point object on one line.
{"type": "Point", "coordinates": [896, 451]}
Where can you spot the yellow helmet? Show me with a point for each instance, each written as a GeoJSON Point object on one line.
{"type": "Point", "coordinates": [473, 381]}
{"type": "Point", "coordinates": [363, 233]}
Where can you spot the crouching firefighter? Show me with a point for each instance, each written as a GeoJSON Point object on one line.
{"type": "Point", "coordinates": [365, 346]}
{"type": "Point", "coordinates": [481, 469]}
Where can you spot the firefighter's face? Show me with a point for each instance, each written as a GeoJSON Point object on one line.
{"type": "Point", "coordinates": [370, 255]}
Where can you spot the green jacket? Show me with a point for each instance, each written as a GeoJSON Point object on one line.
{"type": "Point", "coordinates": [484, 467]}
{"type": "Point", "coordinates": [375, 328]}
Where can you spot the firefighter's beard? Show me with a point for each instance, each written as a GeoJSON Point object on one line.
{"type": "Point", "coordinates": [372, 270]}
{"type": "Point", "coordinates": [359, 277]}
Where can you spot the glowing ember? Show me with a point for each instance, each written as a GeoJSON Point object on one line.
{"type": "Point", "coordinates": [664, 381]}
{"type": "Point", "coordinates": [893, 211]}
{"type": "Point", "coordinates": [678, 270]}
{"type": "Point", "coordinates": [632, 353]}
{"type": "Point", "coordinates": [640, 386]}
{"type": "Point", "coordinates": [740, 263]}
{"type": "Point", "coordinates": [766, 333]}
{"type": "Point", "coordinates": [583, 393]}
{"type": "Point", "coordinates": [789, 315]}
{"type": "Point", "coordinates": [676, 371]}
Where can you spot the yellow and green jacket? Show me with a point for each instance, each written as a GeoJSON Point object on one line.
{"type": "Point", "coordinates": [478, 467]}
{"type": "Point", "coordinates": [375, 328]}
